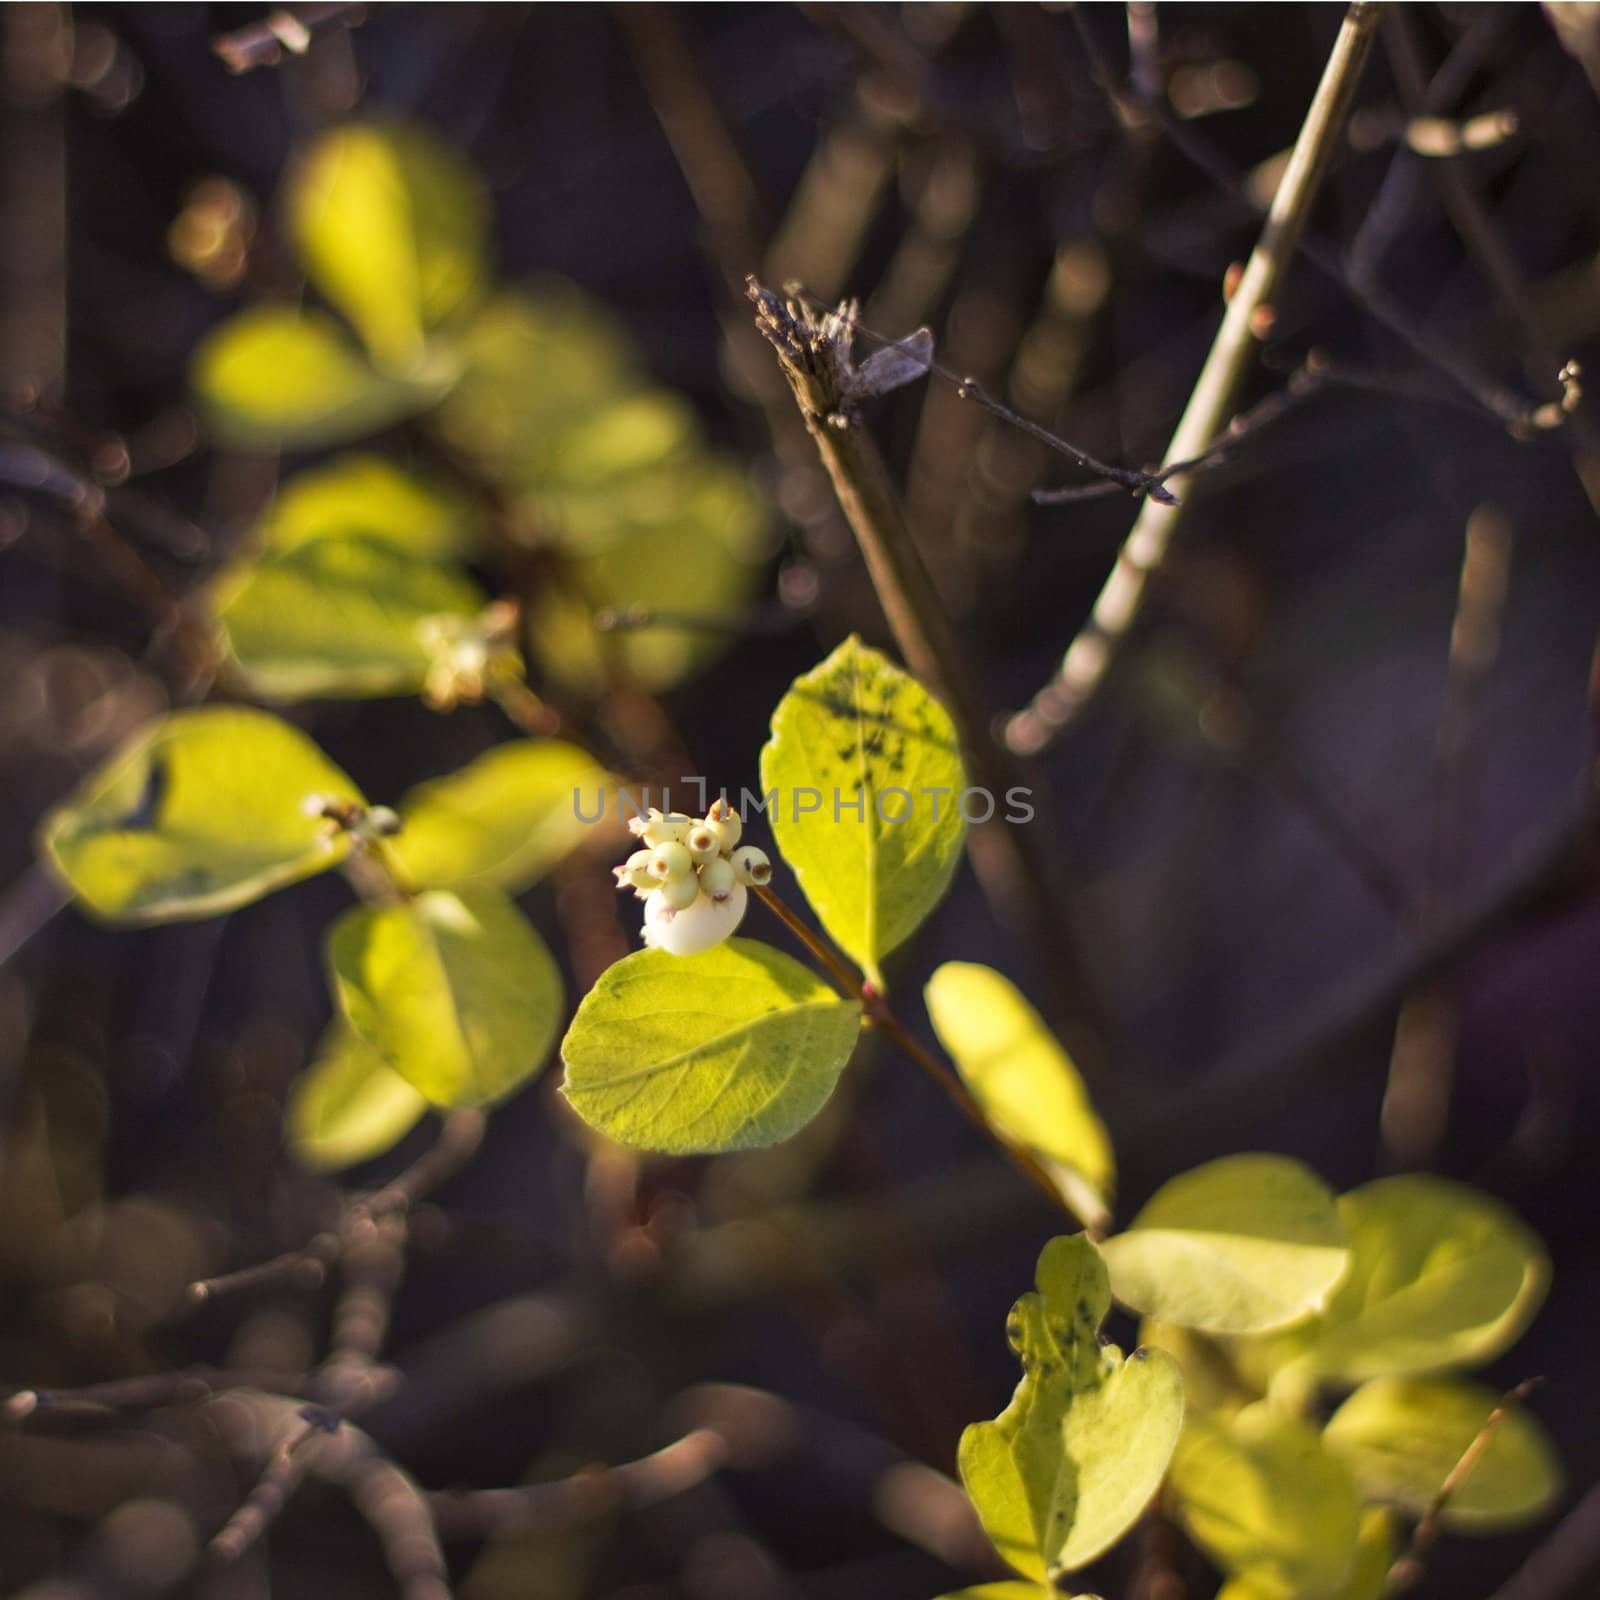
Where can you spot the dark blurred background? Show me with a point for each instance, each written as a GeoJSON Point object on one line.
{"type": "Point", "coordinates": [1261, 816]}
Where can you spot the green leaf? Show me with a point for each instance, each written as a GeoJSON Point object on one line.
{"type": "Point", "coordinates": [1264, 1500]}
{"type": "Point", "coordinates": [1069, 1466]}
{"type": "Point", "coordinates": [857, 729]}
{"type": "Point", "coordinates": [1440, 1276]}
{"type": "Point", "coordinates": [535, 367]}
{"type": "Point", "coordinates": [338, 618]}
{"type": "Point", "coordinates": [1369, 1573]}
{"type": "Point", "coordinates": [274, 377]}
{"type": "Point", "coordinates": [1011, 1590]}
{"type": "Point", "coordinates": [201, 813]}
{"type": "Point", "coordinates": [371, 497]}
{"type": "Point", "coordinates": [455, 991]}
{"type": "Point", "coordinates": [1024, 1082]}
{"type": "Point", "coordinates": [505, 819]}
{"type": "Point", "coordinates": [348, 1105]}
{"type": "Point", "coordinates": [1240, 1245]}
{"type": "Point", "coordinates": [731, 1049]}
{"type": "Point", "coordinates": [1402, 1437]}
{"type": "Point", "coordinates": [392, 227]}
{"type": "Point", "coordinates": [687, 538]}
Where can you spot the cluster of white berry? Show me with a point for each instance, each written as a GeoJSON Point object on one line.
{"type": "Point", "coordinates": [692, 877]}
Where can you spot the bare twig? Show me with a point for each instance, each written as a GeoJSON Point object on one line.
{"type": "Point", "coordinates": [814, 353]}
{"type": "Point", "coordinates": [1416, 1102]}
{"type": "Point", "coordinates": [1407, 1572]}
{"type": "Point", "coordinates": [879, 1015]}
{"type": "Point", "coordinates": [1247, 319]}
{"type": "Point", "coordinates": [282, 33]}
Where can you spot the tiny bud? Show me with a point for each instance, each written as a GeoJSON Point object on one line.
{"type": "Point", "coordinates": [382, 822]}
{"type": "Point", "coordinates": [658, 829]}
{"type": "Point", "coordinates": [635, 873]}
{"type": "Point", "coordinates": [702, 843]}
{"type": "Point", "coordinates": [725, 822]}
{"type": "Point", "coordinates": [717, 878]}
{"type": "Point", "coordinates": [679, 893]}
{"type": "Point", "coordinates": [751, 866]}
{"type": "Point", "coordinates": [671, 860]}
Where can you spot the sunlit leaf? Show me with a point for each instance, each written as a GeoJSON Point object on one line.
{"type": "Point", "coordinates": [455, 991]}
{"type": "Point", "coordinates": [372, 498]}
{"type": "Point", "coordinates": [338, 617]}
{"type": "Point", "coordinates": [727, 1050]}
{"type": "Point", "coordinates": [202, 812]}
{"type": "Point", "coordinates": [392, 227]}
{"type": "Point", "coordinates": [1264, 1500]}
{"type": "Point", "coordinates": [1402, 1437]}
{"type": "Point", "coordinates": [1024, 1081]}
{"type": "Point", "coordinates": [275, 377]}
{"type": "Point", "coordinates": [1069, 1466]}
{"type": "Point", "coordinates": [1014, 1589]}
{"type": "Point", "coordinates": [1440, 1276]}
{"type": "Point", "coordinates": [1209, 1381]}
{"type": "Point", "coordinates": [853, 732]}
{"type": "Point", "coordinates": [1369, 1572]}
{"type": "Point", "coordinates": [626, 436]}
{"type": "Point", "coordinates": [689, 538]}
{"type": "Point", "coordinates": [349, 1105]}
{"type": "Point", "coordinates": [535, 366]}
{"type": "Point", "coordinates": [505, 819]}
{"type": "Point", "coordinates": [1240, 1245]}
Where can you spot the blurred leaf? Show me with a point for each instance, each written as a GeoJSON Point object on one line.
{"type": "Point", "coordinates": [457, 992]}
{"type": "Point", "coordinates": [1402, 1437]}
{"type": "Point", "coordinates": [392, 227]}
{"type": "Point", "coordinates": [1440, 1276]}
{"type": "Point", "coordinates": [1264, 1500]}
{"type": "Point", "coordinates": [372, 498]}
{"type": "Point", "coordinates": [348, 1105]}
{"type": "Point", "coordinates": [535, 366]}
{"type": "Point", "coordinates": [274, 377]}
{"type": "Point", "coordinates": [693, 543]}
{"type": "Point", "coordinates": [856, 729]}
{"type": "Point", "coordinates": [731, 1049]}
{"type": "Point", "coordinates": [1369, 1574]}
{"type": "Point", "coordinates": [1240, 1245]}
{"type": "Point", "coordinates": [1209, 1381]}
{"type": "Point", "coordinates": [1010, 1590]}
{"type": "Point", "coordinates": [505, 819]}
{"type": "Point", "coordinates": [1024, 1081]}
{"type": "Point", "coordinates": [621, 439]}
{"type": "Point", "coordinates": [338, 617]}
{"type": "Point", "coordinates": [203, 812]}
{"type": "Point", "coordinates": [1070, 1465]}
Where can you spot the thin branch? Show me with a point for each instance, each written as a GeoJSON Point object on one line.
{"type": "Point", "coordinates": [1248, 317]}
{"type": "Point", "coordinates": [282, 33]}
{"type": "Point", "coordinates": [878, 1014]}
{"type": "Point", "coordinates": [814, 354]}
{"type": "Point", "coordinates": [1407, 1572]}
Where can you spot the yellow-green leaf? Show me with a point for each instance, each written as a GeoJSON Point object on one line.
{"type": "Point", "coordinates": [1369, 1572]}
{"type": "Point", "coordinates": [349, 1105]}
{"type": "Point", "coordinates": [1402, 1437]}
{"type": "Point", "coordinates": [1012, 1589]}
{"type": "Point", "coordinates": [338, 618]}
{"type": "Point", "coordinates": [687, 538]}
{"type": "Point", "coordinates": [732, 1049]}
{"type": "Point", "coordinates": [1024, 1082]}
{"type": "Point", "coordinates": [535, 366]}
{"type": "Point", "coordinates": [1264, 1500]}
{"type": "Point", "coordinates": [505, 819]}
{"type": "Point", "coordinates": [853, 732]}
{"type": "Point", "coordinates": [1069, 1466]}
{"type": "Point", "coordinates": [372, 498]}
{"type": "Point", "coordinates": [456, 992]}
{"type": "Point", "coordinates": [392, 227]}
{"type": "Point", "coordinates": [202, 812]}
{"type": "Point", "coordinates": [1440, 1276]}
{"type": "Point", "coordinates": [274, 377]}
{"type": "Point", "coordinates": [1240, 1245]}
